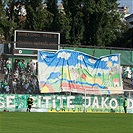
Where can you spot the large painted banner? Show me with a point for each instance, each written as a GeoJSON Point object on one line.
{"type": "Point", "coordinates": [71, 71]}
{"type": "Point", "coordinates": [65, 103]}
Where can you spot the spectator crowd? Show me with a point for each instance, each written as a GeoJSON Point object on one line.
{"type": "Point", "coordinates": [22, 79]}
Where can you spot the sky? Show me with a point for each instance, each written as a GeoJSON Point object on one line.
{"type": "Point", "coordinates": [59, 1]}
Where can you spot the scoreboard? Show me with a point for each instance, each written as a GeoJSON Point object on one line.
{"type": "Point", "coordinates": [36, 40]}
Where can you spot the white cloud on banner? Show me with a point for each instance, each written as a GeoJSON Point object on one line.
{"type": "Point", "coordinates": [64, 55]}
{"type": "Point", "coordinates": [92, 61]}
{"type": "Point", "coordinates": [80, 57]}
{"type": "Point", "coordinates": [105, 59]}
{"type": "Point", "coordinates": [114, 58]}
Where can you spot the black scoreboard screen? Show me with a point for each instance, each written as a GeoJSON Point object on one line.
{"type": "Point", "coordinates": [36, 40]}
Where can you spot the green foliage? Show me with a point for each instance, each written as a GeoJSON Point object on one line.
{"type": "Point", "coordinates": [125, 39]}
{"type": "Point", "coordinates": [0, 6]}
{"type": "Point", "coordinates": [37, 17]}
{"type": "Point", "coordinates": [102, 21]}
{"type": "Point", "coordinates": [6, 25]}
{"type": "Point", "coordinates": [52, 6]}
{"type": "Point", "coordinates": [63, 27]}
{"type": "Point", "coordinates": [87, 22]}
{"type": "Point", "coordinates": [60, 21]}
{"type": "Point", "coordinates": [73, 10]}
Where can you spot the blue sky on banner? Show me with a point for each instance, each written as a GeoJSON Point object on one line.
{"type": "Point", "coordinates": [65, 57]}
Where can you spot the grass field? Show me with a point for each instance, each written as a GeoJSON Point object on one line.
{"type": "Point", "coordinates": [16, 122]}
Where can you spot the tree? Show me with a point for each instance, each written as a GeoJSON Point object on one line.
{"type": "Point", "coordinates": [53, 9]}
{"type": "Point", "coordinates": [6, 26]}
{"type": "Point", "coordinates": [0, 7]}
{"type": "Point", "coordinates": [63, 27]}
{"type": "Point", "coordinates": [60, 21]}
{"type": "Point", "coordinates": [1, 32]}
{"type": "Point", "coordinates": [88, 22]}
{"type": "Point", "coordinates": [73, 10]}
{"type": "Point", "coordinates": [37, 17]}
{"type": "Point", "coordinates": [94, 22]}
{"type": "Point", "coordinates": [124, 40]}
{"type": "Point", "coordinates": [102, 22]}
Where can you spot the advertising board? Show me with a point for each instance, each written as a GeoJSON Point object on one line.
{"type": "Point", "coordinates": [67, 103]}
